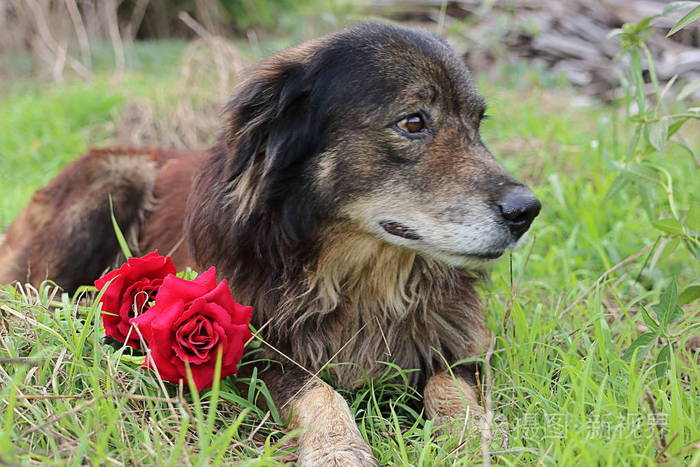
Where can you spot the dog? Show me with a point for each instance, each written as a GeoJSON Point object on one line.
{"type": "Point", "coordinates": [349, 199]}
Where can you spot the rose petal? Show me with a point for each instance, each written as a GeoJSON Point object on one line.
{"type": "Point", "coordinates": [175, 288]}
{"type": "Point", "coordinates": [102, 281]}
{"type": "Point", "coordinates": [192, 353]}
{"type": "Point", "coordinates": [159, 318]}
{"type": "Point", "coordinates": [123, 286]}
{"type": "Point", "coordinates": [191, 308]}
{"type": "Point", "coordinates": [150, 266]}
{"type": "Point", "coordinates": [222, 295]}
{"type": "Point", "coordinates": [207, 279]}
{"type": "Point", "coordinates": [203, 375]}
{"type": "Point", "coordinates": [237, 335]}
{"type": "Point", "coordinates": [217, 313]}
{"type": "Point", "coordinates": [155, 326]}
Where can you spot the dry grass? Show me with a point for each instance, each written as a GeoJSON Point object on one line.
{"type": "Point", "coordinates": [190, 115]}
{"type": "Point", "coordinates": [58, 33]}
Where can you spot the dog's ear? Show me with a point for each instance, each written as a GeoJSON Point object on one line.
{"type": "Point", "coordinates": [272, 123]}
{"type": "Point", "coordinates": [276, 120]}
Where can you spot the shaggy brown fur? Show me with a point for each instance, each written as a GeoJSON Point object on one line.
{"type": "Point", "coordinates": [349, 200]}
{"type": "Point", "coordinates": [64, 233]}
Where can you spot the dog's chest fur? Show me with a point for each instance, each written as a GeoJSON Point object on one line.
{"type": "Point", "coordinates": [368, 302]}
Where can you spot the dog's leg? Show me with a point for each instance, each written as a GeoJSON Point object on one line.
{"type": "Point", "coordinates": [329, 435]}
{"type": "Point", "coordinates": [452, 400]}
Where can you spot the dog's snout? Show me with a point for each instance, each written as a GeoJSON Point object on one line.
{"type": "Point", "coordinates": [519, 207]}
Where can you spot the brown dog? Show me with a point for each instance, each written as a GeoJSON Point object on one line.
{"type": "Point", "coordinates": [349, 199]}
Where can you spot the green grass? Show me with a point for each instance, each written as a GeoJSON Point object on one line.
{"type": "Point", "coordinates": [42, 126]}
{"type": "Point", "coordinates": [562, 393]}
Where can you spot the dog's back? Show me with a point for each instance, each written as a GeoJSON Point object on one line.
{"type": "Point", "coordinates": [66, 232]}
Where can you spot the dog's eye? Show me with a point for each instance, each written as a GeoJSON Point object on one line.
{"type": "Point", "coordinates": [412, 124]}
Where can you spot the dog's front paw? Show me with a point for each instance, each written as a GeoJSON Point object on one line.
{"type": "Point", "coordinates": [329, 435]}
{"type": "Point", "coordinates": [453, 405]}
{"type": "Point", "coordinates": [345, 455]}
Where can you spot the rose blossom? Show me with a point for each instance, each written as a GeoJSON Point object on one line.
{"type": "Point", "coordinates": [188, 323]}
{"type": "Point", "coordinates": [132, 287]}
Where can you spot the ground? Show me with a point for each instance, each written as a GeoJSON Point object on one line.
{"type": "Point", "coordinates": [564, 308]}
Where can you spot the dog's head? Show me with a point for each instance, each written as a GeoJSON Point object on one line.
{"type": "Point", "coordinates": [375, 128]}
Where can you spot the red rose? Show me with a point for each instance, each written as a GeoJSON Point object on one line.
{"type": "Point", "coordinates": [132, 286]}
{"type": "Point", "coordinates": [188, 322]}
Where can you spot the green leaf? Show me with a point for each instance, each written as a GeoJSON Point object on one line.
{"type": "Point", "coordinates": [673, 6]}
{"type": "Point", "coordinates": [675, 126]}
{"type": "Point", "coordinates": [669, 296]}
{"type": "Point", "coordinates": [658, 133]}
{"type": "Point", "coordinates": [188, 274]}
{"type": "Point", "coordinates": [643, 28]}
{"type": "Point", "coordinates": [617, 185]}
{"type": "Point", "coordinates": [692, 15]}
{"type": "Point", "coordinates": [662, 361]}
{"type": "Point", "coordinates": [646, 196]}
{"type": "Point", "coordinates": [689, 294]}
{"type": "Point", "coordinates": [669, 248]}
{"type": "Point", "coordinates": [691, 243]}
{"type": "Point", "coordinates": [675, 313]}
{"type": "Point", "coordinates": [648, 320]}
{"type": "Point", "coordinates": [118, 232]}
{"type": "Point", "coordinates": [666, 309]}
{"type": "Point", "coordinates": [642, 342]}
{"type": "Point", "coordinates": [668, 225]}
{"type": "Point", "coordinates": [641, 172]}
{"type": "Point", "coordinates": [688, 90]}
{"type": "Point", "coordinates": [692, 220]}
{"type": "Point", "coordinates": [687, 147]}
{"type": "Point", "coordinates": [135, 359]}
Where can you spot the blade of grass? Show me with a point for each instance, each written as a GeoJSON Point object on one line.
{"type": "Point", "coordinates": [118, 232]}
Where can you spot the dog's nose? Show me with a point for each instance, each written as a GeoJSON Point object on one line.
{"type": "Point", "coordinates": [519, 207]}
